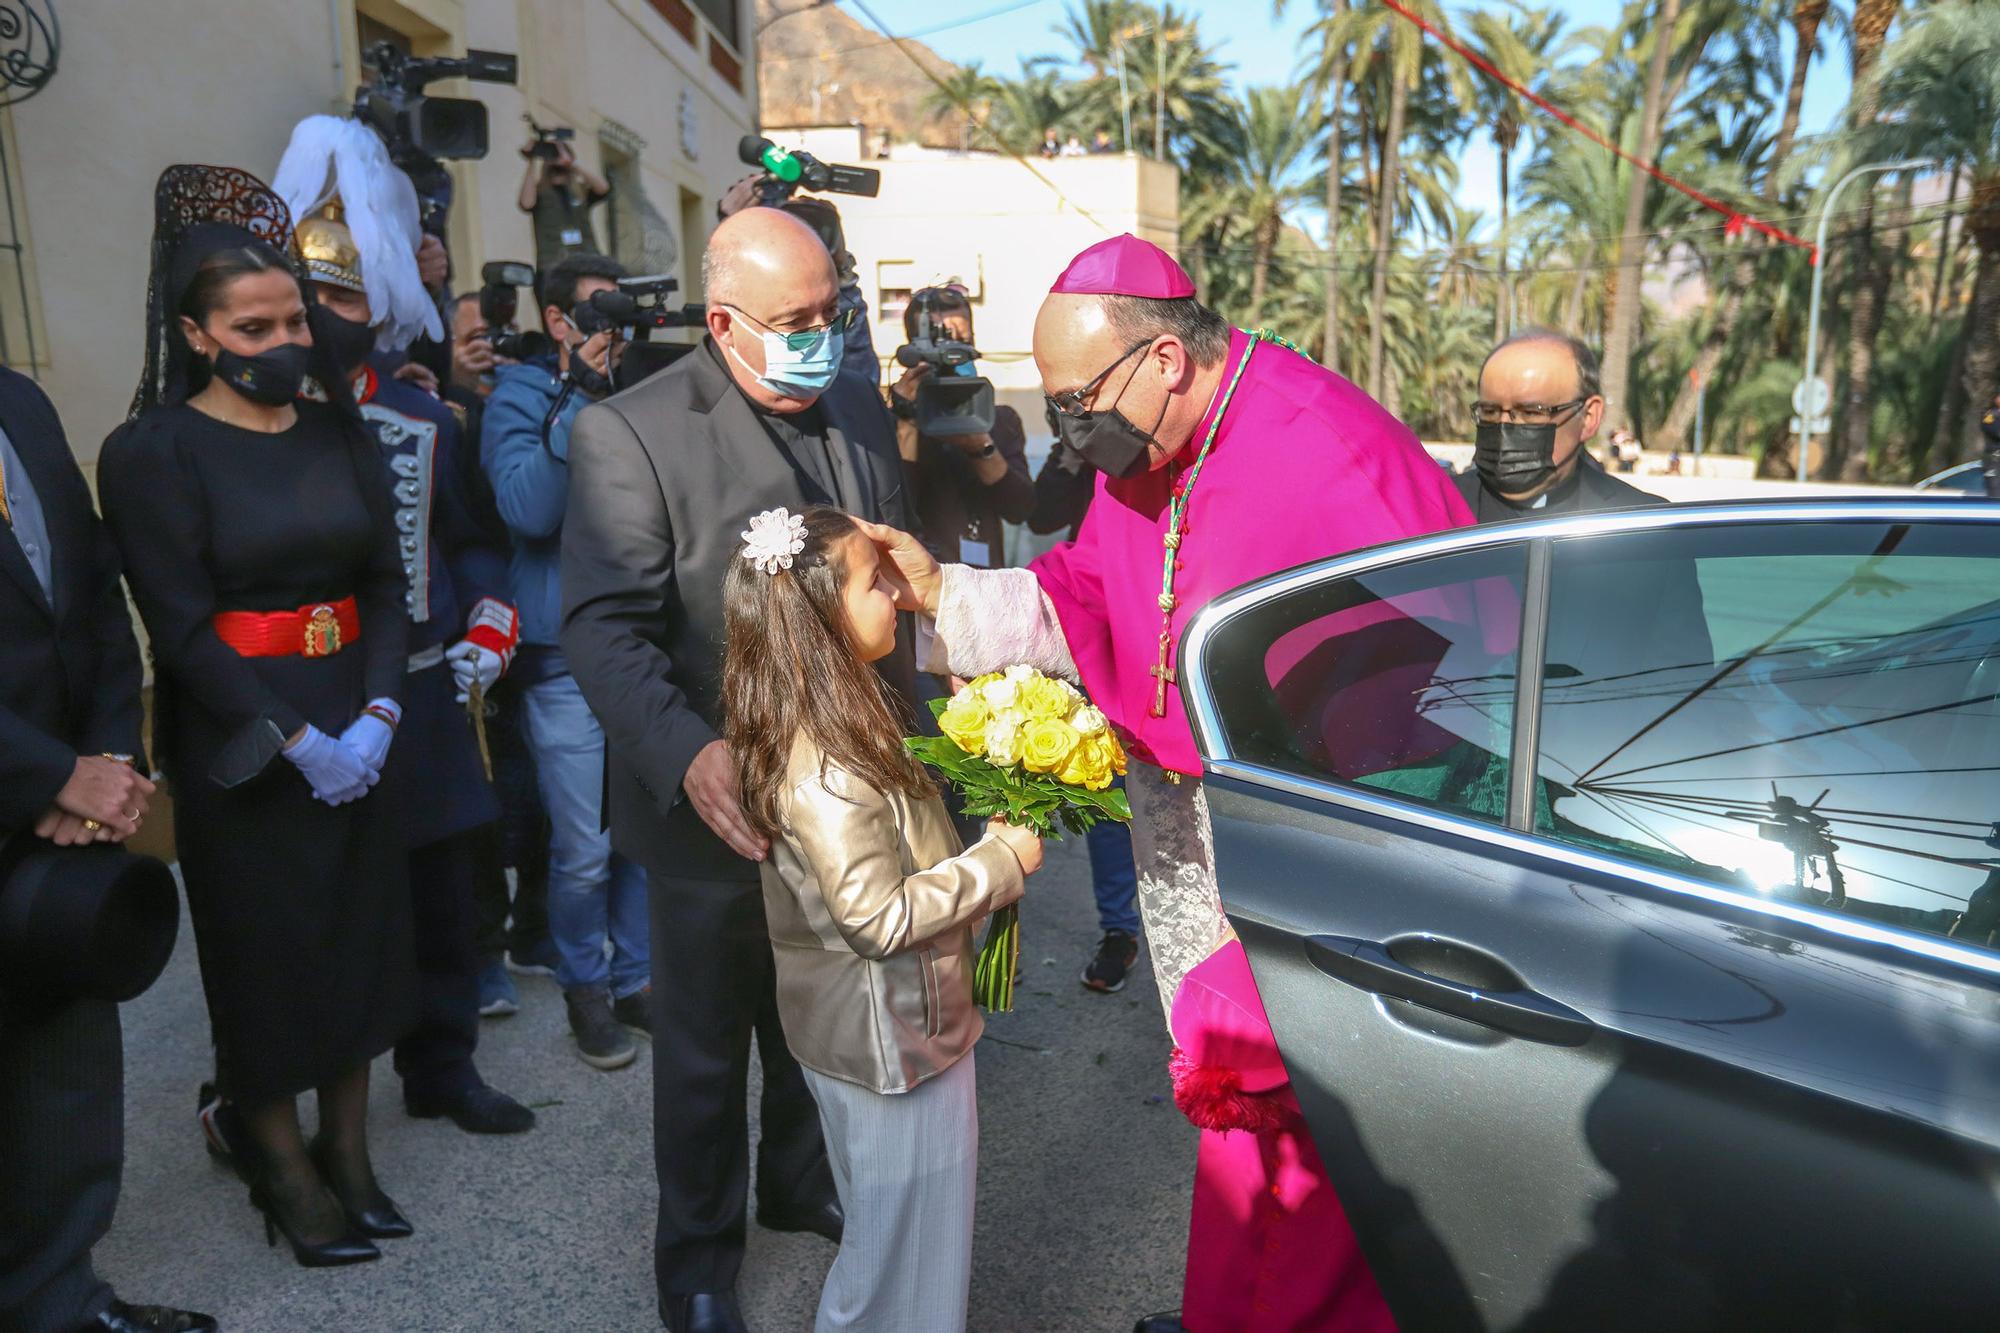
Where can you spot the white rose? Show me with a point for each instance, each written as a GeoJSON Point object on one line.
{"type": "Point", "coordinates": [1000, 694]}
{"type": "Point", "coordinates": [1087, 720]}
{"type": "Point", "coordinates": [1003, 740]}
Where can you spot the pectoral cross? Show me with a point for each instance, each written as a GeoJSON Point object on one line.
{"type": "Point", "coordinates": [1163, 676]}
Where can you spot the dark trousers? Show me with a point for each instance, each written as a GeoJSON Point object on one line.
{"type": "Point", "coordinates": [714, 987]}
{"type": "Point", "coordinates": [62, 1146]}
{"type": "Point", "coordinates": [520, 839]}
{"type": "Point", "coordinates": [435, 1059]}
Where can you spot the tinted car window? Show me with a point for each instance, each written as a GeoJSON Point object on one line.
{"type": "Point", "coordinates": [1400, 680]}
{"type": "Point", "coordinates": [1805, 711]}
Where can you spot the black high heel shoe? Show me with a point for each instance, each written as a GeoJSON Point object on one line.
{"type": "Point", "coordinates": [347, 1249]}
{"type": "Point", "coordinates": [377, 1218]}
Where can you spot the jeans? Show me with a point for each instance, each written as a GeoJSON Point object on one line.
{"type": "Point", "coordinates": [594, 893]}
{"type": "Point", "coordinates": [1113, 877]}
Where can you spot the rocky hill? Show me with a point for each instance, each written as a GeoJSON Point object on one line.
{"type": "Point", "coordinates": [819, 65]}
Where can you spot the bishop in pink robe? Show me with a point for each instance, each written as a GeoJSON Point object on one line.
{"type": "Point", "coordinates": [1276, 462]}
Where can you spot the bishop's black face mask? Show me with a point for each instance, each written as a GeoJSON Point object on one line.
{"type": "Point", "coordinates": [1514, 458]}
{"type": "Point", "coordinates": [347, 341]}
{"type": "Point", "coordinates": [1108, 440]}
{"type": "Point", "coordinates": [272, 377]}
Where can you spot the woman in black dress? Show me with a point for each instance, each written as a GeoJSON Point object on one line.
{"type": "Point", "coordinates": [260, 544]}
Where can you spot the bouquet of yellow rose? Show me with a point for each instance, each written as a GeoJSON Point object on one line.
{"type": "Point", "coordinates": [1029, 747]}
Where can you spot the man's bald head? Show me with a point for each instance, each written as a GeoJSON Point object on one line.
{"type": "Point", "coordinates": [758, 249]}
{"type": "Point", "coordinates": [766, 272]}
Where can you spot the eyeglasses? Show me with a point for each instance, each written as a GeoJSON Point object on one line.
{"type": "Point", "coordinates": [1527, 414]}
{"type": "Point", "coordinates": [1070, 402]}
{"type": "Point", "coordinates": [801, 340]}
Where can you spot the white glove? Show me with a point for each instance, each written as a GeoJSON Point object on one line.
{"type": "Point", "coordinates": [368, 737]}
{"type": "Point", "coordinates": [335, 773]}
{"type": "Point", "coordinates": [471, 662]}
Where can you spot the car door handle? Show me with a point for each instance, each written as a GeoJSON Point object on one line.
{"type": "Point", "coordinates": [1367, 965]}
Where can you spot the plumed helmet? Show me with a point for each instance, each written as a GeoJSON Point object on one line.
{"type": "Point", "coordinates": [328, 249]}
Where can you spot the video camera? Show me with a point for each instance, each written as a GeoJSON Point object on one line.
{"type": "Point", "coordinates": [499, 306]}
{"type": "Point", "coordinates": [949, 401]}
{"type": "Point", "coordinates": [788, 171]}
{"type": "Point", "coordinates": [639, 306]}
{"type": "Point", "coordinates": [549, 139]}
{"type": "Point", "coordinates": [419, 129]}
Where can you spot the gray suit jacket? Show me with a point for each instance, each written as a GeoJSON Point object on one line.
{"type": "Point", "coordinates": [664, 477]}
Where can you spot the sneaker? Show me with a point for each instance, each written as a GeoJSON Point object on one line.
{"type": "Point", "coordinates": [1116, 953]}
{"type": "Point", "coordinates": [600, 1039]}
{"type": "Point", "coordinates": [635, 1011]}
{"type": "Point", "coordinates": [497, 996]}
{"type": "Point", "coordinates": [537, 960]}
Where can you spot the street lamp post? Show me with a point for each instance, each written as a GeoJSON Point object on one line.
{"type": "Point", "coordinates": [1819, 282]}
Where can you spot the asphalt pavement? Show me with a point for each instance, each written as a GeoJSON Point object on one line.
{"type": "Point", "coordinates": [1085, 1167]}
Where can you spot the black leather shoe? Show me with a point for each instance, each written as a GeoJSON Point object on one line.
{"type": "Point", "coordinates": [704, 1312]}
{"type": "Point", "coordinates": [123, 1318]}
{"type": "Point", "coordinates": [1160, 1323]}
{"type": "Point", "coordinates": [824, 1219]}
{"type": "Point", "coordinates": [377, 1218]}
{"type": "Point", "coordinates": [480, 1110]}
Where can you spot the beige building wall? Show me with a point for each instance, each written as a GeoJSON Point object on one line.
{"type": "Point", "coordinates": [145, 84]}
{"type": "Point", "coordinates": [1003, 230]}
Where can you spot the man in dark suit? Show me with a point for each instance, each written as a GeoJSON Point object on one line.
{"type": "Point", "coordinates": [69, 773]}
{"type": "Point", "coordinates": [1635, 607]}
{"type": "Point", "coordinates": [663, 479]}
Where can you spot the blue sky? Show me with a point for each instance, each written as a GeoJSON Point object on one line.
{"type": "Point", "coordinates": [1262, 49]}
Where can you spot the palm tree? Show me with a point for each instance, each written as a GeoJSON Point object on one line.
{"type": "Point", "coordinates": [1938, 92]}
{"type": "Point", "coordinates": [1272, 135]}
{"type": "Point", "coordinates": [1396, 52]}
{"type": "Point", "coordinates": [1327, 75]}
{"type": "Point", "coordinates": [1174, 77]}
{"type": "Point", "coordinates": [966, 92]}
{"type": "Point", "coordinates": [1040, 99]}
{"type": "Point", "coordinates": [1847, 448]}
{"type": "Point", "coordinates": [1624, 329]}
{"type": "Point", "coordinates": [1518, 43]}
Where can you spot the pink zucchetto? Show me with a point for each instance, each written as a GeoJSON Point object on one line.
{"type": "Point", "coordinates": [1125, 266]}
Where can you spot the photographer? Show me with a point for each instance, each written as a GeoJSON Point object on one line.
{"type": "Point", "coordinates": [558, 192]}
{"type": "Point", "coordinates": [593, 892]}
{"type": "Point", "coordinates": [965, 488]}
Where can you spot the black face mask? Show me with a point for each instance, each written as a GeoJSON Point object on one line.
{"type": "Point", "coordinates": [1514, 459]}
{"type": "Point", "coordinates": [1107, 440]}
{"type": "Point", "coordinates": [272, 377]}
{"type": "Point", "coordinates": [347, 341]}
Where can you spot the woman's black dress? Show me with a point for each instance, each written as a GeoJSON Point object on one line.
{"type": "Point", "coordinates": [301, 910]}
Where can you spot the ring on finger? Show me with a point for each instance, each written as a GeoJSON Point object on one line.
{"type": "Point", "coordinates": [93, 825]}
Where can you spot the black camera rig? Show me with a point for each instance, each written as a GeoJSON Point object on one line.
{"type": "Point", "coordinates": [549, 139]}
{"type": "Point", "coordinates": [639, 306]}
{"type": "Point", "coordinates": [949, 401]}
{"type": "Point", "coordinates": [787, 171]}
{"type": "Point", "coordinates": [422, 131]}
{"type": "Point", "coordinates": [499, 308]}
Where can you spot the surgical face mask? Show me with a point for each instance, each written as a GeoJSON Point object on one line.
{"type": "Point", "coordinates": [798, 365]}
{"type": "Point", "coordinates": [1514, 459]}
{"type": "Point", "coordinates": [271, 377]}
{"type": "Point", "coordinates": [347, 341]}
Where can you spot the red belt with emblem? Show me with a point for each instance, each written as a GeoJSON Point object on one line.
{"type": "Point", "coordinates": [320, 629]}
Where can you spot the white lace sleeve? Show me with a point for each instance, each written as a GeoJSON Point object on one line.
{"type": "Point", "coordinates": [993, 618]}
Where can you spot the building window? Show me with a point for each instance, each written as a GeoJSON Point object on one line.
{"type": "Point", "coordinates": [722, 16]}
{"type": "Point", "coordinates": [677, 14]}
{"type": "Point", "coordinates": [21, 347]}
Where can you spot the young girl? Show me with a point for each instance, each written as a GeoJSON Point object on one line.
{"type": "Point", "coordinates": [871, 905]}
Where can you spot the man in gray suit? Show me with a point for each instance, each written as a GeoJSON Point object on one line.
{"type": "Point", "coordinates": [663, 479]}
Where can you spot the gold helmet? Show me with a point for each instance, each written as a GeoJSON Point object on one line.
{"type": "Point", "coordinates": [328, 249]}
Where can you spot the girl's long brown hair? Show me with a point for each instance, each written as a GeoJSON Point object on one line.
{"type": "Point", "coordinates": [790, 668]}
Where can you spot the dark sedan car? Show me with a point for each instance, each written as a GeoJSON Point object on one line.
{"type": "Point", "coordinates": [1625, 893]}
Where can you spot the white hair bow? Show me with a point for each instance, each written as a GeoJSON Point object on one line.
{"type": "Point", "coordinates": [773, 539]}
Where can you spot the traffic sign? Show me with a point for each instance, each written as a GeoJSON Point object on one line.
{"type": "Point", "coordinates": [1812, 398]}
{"type": "Point", "coordinates": [1820, 425]}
